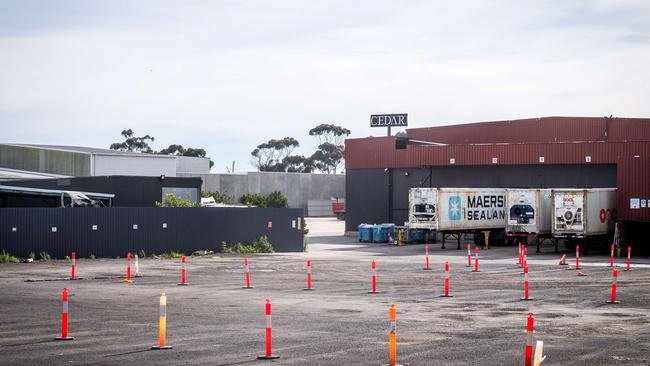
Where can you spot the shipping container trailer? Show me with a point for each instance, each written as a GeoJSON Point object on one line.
{"type": "Point", "coordinates": [584, 216]}
{"type": "Point", "coordinates": [528, 214]}
{"type": "Point", "coordinates": [455, 211]}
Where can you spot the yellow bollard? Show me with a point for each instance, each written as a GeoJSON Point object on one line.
{"type": "Point", "coordinates": [162, 330]}
{"type": "Point", "coordinates": [486, 234]}
{"type": "Point", "coordinates": [393, 329]}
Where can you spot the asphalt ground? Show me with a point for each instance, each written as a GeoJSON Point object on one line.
{"type": "Point", "coordinates": [213, 321]}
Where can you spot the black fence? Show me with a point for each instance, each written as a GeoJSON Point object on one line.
{"type": "Point", "coordinates": [114, 231]}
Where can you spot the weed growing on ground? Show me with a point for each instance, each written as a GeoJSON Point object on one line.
{"type": "Point", "coordinates": [262, 245]}
{"type": "Point", "coordinates": [8, 258]}
{"type": "Point", "coordinates": [45, 257]}
{"type": "Point", "coordinates": [32, 256]}
{"type": "Point", "coordinates": [92, 256]}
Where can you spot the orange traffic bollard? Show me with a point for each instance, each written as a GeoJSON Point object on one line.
{"type": "Point", "coordinates": [526, 298]}
{"type": "Point", "coordinates": [162, 325]}
{"type": "Point", "coordinates": [247, 275]}
{"type": "Point", "coordinates": [128, 269]}
{"type": "Point", "coordinates": [446, 294]}
{"type": "Point", "coordinates": [611, 256]}
{"type": "Point", "coordinates": [74, 259]}
{"type": "Point", "coordinates": [475, 260]}
{"type": "Point", "coordinates": [308, 288]}
{"type": "Point", "coordinates": [373, 266]}
{"type": "Point", "coordinates": [392, 353]}
{"type": "Point", "coordinates": [426, 257]}
{"type": "Point", "coordinates": [614, 280]}
{"type": "Point", "coordinates": [268, 354]}
{"type": "Point", "coordinates": [530, 329]}
{"type": "Point", "coordinates": [183, 278]}
{"type": "Point", "coordinates": [629, 254]}
{"type": "Point", "coordinates": [137, 267]}
{"type": "Point", "coordinates": [64, 319]}
{"type": "Point", "coordinates": [469, 255]}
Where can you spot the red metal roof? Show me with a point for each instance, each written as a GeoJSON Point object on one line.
{"type": "Point", "coordinates": [545, 129]}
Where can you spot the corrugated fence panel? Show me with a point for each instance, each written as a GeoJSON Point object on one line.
{"type": "Point", "coordinates": [634, 183]}
{"type": "Point", "coordinates": [25, 230]}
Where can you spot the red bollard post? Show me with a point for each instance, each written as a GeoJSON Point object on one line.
{"type": "Point", "coordinates": [374, 278]}
{"type": "Point", "coordinates": [611, 256]}
{"type": "Point", "coordinates": [614, 280]}
{"type": "Point", "coordinates": [446, 281]}
{"type": "Point", "coordinates": [426, 257]}
{"type": "Point", "coordinates": [530, 329]}
{"type": "Point", "coordinates": [162, 324]}
{"type": "Point", "coordinates": [469, 256]}
{"type": "Point", "coordinates": [526, 298]}
{"type": "Point", "coordinates": [64, 319]}
{"type": "Point", "coordinates": [183, 275]}
{"type": "Point", "coordinates": [74, 259]}
{"type": "Point", "coordinates": [128, 269]}
{"type": "Point", "coordinates": [268, 354]}
{"type": "Point", "coordinates": [248, 275]}
{"type": "Point", "coordinates": [309, 288]}
{"type": "Point", "coordinates": [629, 254]}
{"type": "Point", "coordinates": [475, 260]}
{"type": "Point", "coordinates": [578, 257]}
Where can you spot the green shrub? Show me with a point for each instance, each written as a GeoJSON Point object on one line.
{"type": "Point", "coordinates": [175, 254]}
{"type": "Point", "coordinates": [277, 199]}
{"type": "Point", "coordinates": [253, 199]}
{"type": "Point", "coordinates": [45, 257]}
{"type": "Point", "coordinates": [8, 258]}
{"type": "Point", "coordinates": [174, 200]}
{"type": "Point", "coordinates": [262, 245]}
{"type": "Point", "coordinates": [219, 197]}
{"type": "Point", "coordinates": [32, 255]}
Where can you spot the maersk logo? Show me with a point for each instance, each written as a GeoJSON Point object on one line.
{"type": "Point", "coordinates": [454, 208]}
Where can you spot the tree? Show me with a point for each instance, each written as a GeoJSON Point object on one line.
{"type": "Point", "coordinates": [179, 150]}
{"type": "Point", "coordinates": [329, 156]}
{"type": "Point", "coordinates": [298, 164]}
{"type": "Point", "coordinates": [328, 133]}
{"type": "Point", "coordinates": [269, 156]}
{"type": "Point", "coordinates": [133, 143]}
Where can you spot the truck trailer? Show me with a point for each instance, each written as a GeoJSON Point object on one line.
{"type": "Point", "coordinates": [584, 215]}
{"type": "Point", "coordinates": [528, 214]}
{"type": "Point", "coordinates": [455, 211]}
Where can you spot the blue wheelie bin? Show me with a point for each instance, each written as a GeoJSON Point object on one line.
{"type": "Point", "coordinates": [365, 232]}
{"type": "Point", "coordinates": [381, 231]}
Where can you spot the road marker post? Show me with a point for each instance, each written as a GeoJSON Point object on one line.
{"type": "Point", "coordinates": [247, 275]}
{"type": "Point", "coordinates": [476, 260]}
{"type": "Point", "coordinates": [268, 354]}
{"type": "Point", "coordinates": [162, 325]}
{"type": "Point", "coordinates": [183, 273]}
{"type": "Point", "coordinates": [446, 294]}
{"type": "Point", "coordinates": [526, 298]}
{"type": "Point", "coordinates": [426, 257]}
{"type": "Point", "coordinates": [530, 329]}
{"type": "Point", "coordinates": [373, 267]}
{"type": "Point", "coordinates": [64, 319]}
{"type": "Point", "coordinates": [308, 288]}
{"type": "Point", "coordinates": [74, 260]}
{"type": "Point", "coordinates": [614, 280]}
{"type": "Point", "coordinates": [629, 254]}
{"type": "Point", "coordinates": [128, 269]}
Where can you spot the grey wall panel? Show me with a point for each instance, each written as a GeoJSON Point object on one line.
{"type": "Point", "coordinates": [188, 229]}
{"type": "Point", "coordinates": [368, 189]}
{"type": "Point", "coordinates": [366, 197]}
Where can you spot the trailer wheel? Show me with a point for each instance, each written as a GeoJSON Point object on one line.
{"type": "Point", "coordinates": [340, 216]}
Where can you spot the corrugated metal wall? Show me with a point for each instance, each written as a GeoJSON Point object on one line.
{"type": "Point", "coordinates": [25, 230]}
{"type": "Point", "coordinates": [634, 183]}
{"type": "Point", "coordinates": [546, 129]}
{"type": "Point", "coordinates": [380, 152]}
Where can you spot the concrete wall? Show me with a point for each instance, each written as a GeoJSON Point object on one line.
{"type": "Point", "coordinates": [298, 187]}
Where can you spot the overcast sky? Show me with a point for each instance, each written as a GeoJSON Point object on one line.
{"type": "Point", "coordinates": [227, 75]}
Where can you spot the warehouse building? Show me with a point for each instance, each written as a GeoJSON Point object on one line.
{"type": "Point", "coordinates": [549, 152]}
{"type": "Point", "coordinates": [76, 161]}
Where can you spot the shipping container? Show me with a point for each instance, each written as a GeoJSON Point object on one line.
{"type": "Point", "coordinates": [528, 211]}
{"type": "Point", "coordinates": [584, 212]}
{"type": "Point", "coordinates": [456, 209]}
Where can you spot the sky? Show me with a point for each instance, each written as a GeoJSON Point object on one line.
{"type": "Point", "coordinates": [228, 75]}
